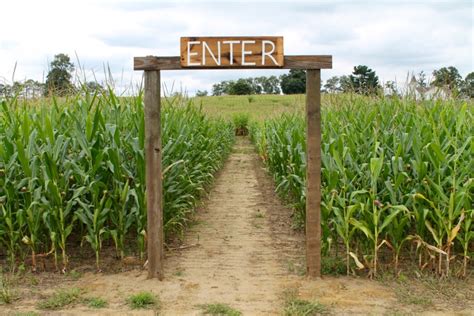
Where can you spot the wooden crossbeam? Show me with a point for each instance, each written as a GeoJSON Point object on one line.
{"type": "Point", "coordinates": [290, 62]}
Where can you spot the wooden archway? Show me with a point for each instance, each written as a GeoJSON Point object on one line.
{"type": "Point", "coordinates": [152, 66]}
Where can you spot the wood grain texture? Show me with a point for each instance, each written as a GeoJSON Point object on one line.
{"type": "Point", "coordinates": [313, 173]}
{"type": "Point", "coordinates": [228, 52]}
{"type": "Point", "coordinates": [290, 62]}
{"type": "Point", "coordinates": [154, 186]}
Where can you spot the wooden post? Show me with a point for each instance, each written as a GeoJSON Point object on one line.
{"type": "Point", "coordinates": [153, 174]}
{"type": "Point", "coordinates": [313, 172]}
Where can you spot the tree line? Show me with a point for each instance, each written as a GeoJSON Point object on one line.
{"type": "Point", "coordinates": [58, 82]}
{"type": "Point", "coordinates": [362, 80]}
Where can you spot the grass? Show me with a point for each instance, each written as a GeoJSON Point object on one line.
{"type": "Point", "coordinates": [7, 291]}
{"type": "Point", "coordinates": [96, 302]}
{"type": "Point", "coordinates": [298, 307]}
{"type": "Point", "coordinates": [428, 291]}
{"type": "Point", "coordinates": [295, 306]}
{"type": "Point", "coordinates": [143, 300]}
{"type": "Point", "coordinates": [75, 275]}
{"type": "Point", "coordinates": [61, 299]}
{"type": "Point", "coordinates": [219, 309]}
{"type": "Point", "coordinates": [259, 108]}
{"type": "Point", "coordinates": [333, 266]}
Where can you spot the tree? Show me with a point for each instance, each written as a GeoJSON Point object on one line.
{"type": "Point", "coordinates": [93, 87]}
{"type": "Point", "coordinates": [364, 80]}
{"type": "Point", "coordinates": [220, 88]}
{"type": "Point", "coordinates": [32, 88]}
{"type": "Point", "coordinates": [332, 85]}
{"type": "Point", "coordinates": [240, 87]}
{"type": "Point", "coordinates": [447, 77]}
{"type": "Point", "coordinates": [294, 82]}
{"type": "Point", "coordinates": [201, 93]}
{"type": "Point", "coordinates": [422, 80]}
{"type": "Point", "coordinates": [58, 80]}
{"type": "Point", "coordinates": [467, 89]}
{"type": "Point", "coordinates": [268, 85]}
{"type": "Point", "coordinates": [345, 84]}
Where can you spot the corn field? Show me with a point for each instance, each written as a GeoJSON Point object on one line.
{"type": "Point", "coordinates": [397, 179]}
{"type": "Point", "coordinates": [72, 172]}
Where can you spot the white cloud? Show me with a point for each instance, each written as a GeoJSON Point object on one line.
{"type": "Point", "coordinates": [392, 37]}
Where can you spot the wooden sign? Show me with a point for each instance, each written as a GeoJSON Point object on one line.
{"type": "Point", "coordinates": [232, 52]}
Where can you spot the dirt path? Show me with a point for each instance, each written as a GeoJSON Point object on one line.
{"type": "Point", "coordinates": [242, 252]}
{"type": "Point", "coordinates": [237, 260]}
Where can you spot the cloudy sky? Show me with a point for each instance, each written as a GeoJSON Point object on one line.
{"type": "Point", "coordinates": [392, 37]}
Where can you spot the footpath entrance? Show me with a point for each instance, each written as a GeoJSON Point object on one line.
{"type": "Point", "coordinates": [231, 53]}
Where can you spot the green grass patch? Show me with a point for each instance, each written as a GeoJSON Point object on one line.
{"type": "Point", "coordinates": [219, 309]}
{"type": "Point", "coordinates": [295, 306]}
{"type": "Point", "coordinates": [333, 266]}
{"type": "Point", "coordinates": [96, 302]}
{"type": "Point", "coordinates": [60, 299]}
{"type": "Point", "coordinates": [258, 107]}
{"type": "Point", "coordinates": [7, 292]}
{"type": "Point", "coordinates": [143, 300]}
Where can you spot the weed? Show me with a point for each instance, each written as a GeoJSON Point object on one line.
{"type": "Point", "coordinates": [295, 306]}
{"type": "Point", "coordinates": [333, 266]}
{"type": "Point", "coordinates": [219, 309]}
{"type": "Point", "coordinates": [241, 122]}
{"type": "Point", "coordinates": [143, 300]}
{"type": "Point", "coordinates": [60, 299]}
{"type": "Point", "coordinates": [75, 275]}
{"type": "Point", "coordinates": [96, 302]}
{"type": "Point", "coordinates": [7, 294]}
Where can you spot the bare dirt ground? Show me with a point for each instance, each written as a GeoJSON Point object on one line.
{"type": "Point", "coordinates": [243, 252]}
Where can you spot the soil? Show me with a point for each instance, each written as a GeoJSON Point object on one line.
{"type": "Point", "coordinates": [241, 251]}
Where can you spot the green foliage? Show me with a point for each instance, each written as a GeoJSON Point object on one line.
{"type": "Point", "coordinates": [219, 309]}
{"type": "Point", "coordinates": [447, 77]}
{"type": "Point", "coordinates": [78, 168]}
{"type": "Point", "coordinates": [201, 93]}
{"type": "Point", "coordinates": [96, 302]}
{"type": "Point", "coordinates": [333, 266]}
{"type": "Point", "coordinates": [58, 80]}
{"type": "Point", "coordinates": [7, 292]}
{"type": "Point", "coordinates": [393, 172]}
{"type": "Point", "coordinates": [241, 123]}
{"type": "Point", "coordinates": [467, 89]}
{"type": "Point", "coordinates": [143, 300]}
{"type": "Point", "coordinates": [243, 86]}
{"type": "Point", "coordinates": [332, 85]}
{"type": "Point", "coordinates": [364, 80]}
{"type": "Point", "coordinates": [240, 87]}
{"type": "Point", "coordinates": [295, 306]}
{"type": "Point", "coordinates": [294, 82]}
{"type": "Point", "coordinates": [61, 299]}
{"type": "Point", "coordinates": [269, 85]}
